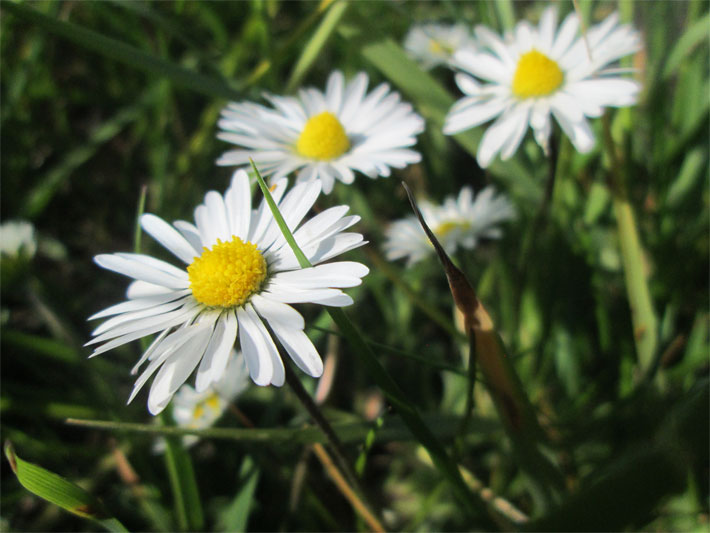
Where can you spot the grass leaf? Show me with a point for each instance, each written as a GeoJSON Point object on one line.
{"type": "Point", "coordinates": [313, 49]}
{"type": "Point", "coordinates": [693, 36]}
{"type": "Point", "coordinates": [57, 490]}
{"type": "Point", "coordinates": [236, 514]}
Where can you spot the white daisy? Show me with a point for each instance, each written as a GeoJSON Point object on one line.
{"type": "Point", "coordinates": [435, 44]}
{"type": "Point", "coordinates": [240, 271]}
{"type": "Point", "coordinates": [536, 72]}
{"type": "Point", "coordinates": [17, 239]}
{"type": "Point", "coordinates": [325, 136]}
{"type": "Point", "coordinates": [458, 222]}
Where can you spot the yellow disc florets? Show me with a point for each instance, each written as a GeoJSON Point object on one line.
{"type": "Point", "coordinates": [211, 403]}
{"type": "Point", "coordinates": [439, 48]}
{"type": "Point", "coordinates": [228, 274]}
{"type": "Point", "coordinates": [443, 229]}
{"type": "Point", "coordinates": [536, 75]}
{"type": "Point", "coordinates": [323, 138]}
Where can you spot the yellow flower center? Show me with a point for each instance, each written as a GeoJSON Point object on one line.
{"type": "Point", "coordinates": [536, 75]}
{"type": "Point", "coordinates": [439, 48]}
{"type": "Point", "coordinates": [228, 274]}
{"type": "Point", "coordinates": [443, 229]}
{"type": "Point", "coordinates": [323, 138]}
{"type": "Point", "coordinates": [212, 402]}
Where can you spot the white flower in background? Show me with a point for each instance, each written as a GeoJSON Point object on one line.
{"type": "Point", "coordinates": [238, 271]}
{"type": "Point", "coordinates": [537, 72]}
{"type": "Point", "coordinates": [435, 44]}
{"type": "Point", "coordinates": [17, 238]}
{"type": "Point", "coordinates": [458, 222]}
{"type": "Point", "coordinates": [324, 136]}
{"type": "Point", "coordinates": [200, 410]}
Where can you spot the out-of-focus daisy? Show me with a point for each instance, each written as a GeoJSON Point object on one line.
{"type": "Point", "coordinates": [537, 72]}
{"type": "Point", "coordinates": [458, 222]}
{"type": "Point", "coordinates": [200, 410]}
{"type": "Point", "coordinates": [325, 136]}
{"type": "Point", "coordinates": [17, 239]}
{"type": "Point", "coordinates": [239, 271]}
{"type": "Point", "coordinates": [435, 44]}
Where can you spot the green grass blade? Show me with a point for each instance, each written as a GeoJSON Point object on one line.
{"type": "Point", "coordinates": [506, 13]}
{"type": "Point", "coordinates": [125, 53]}
{"type": "Point", "coordinates": [57, 490]}
{"type": "Point", "coordinates": [643, 314]}
{"type": "Point", "coordinates": [313, 49]}
{"type": "Point", "coordinates": [473, 504]}
{"type": "Point", "coordinates": [692, 38]}
{"type": "Point", "coordinates": [392, 430]}
{"type": "Point", "coordinates": [188, 506]}
{"type": "Point", "coordinates": [236, 515]}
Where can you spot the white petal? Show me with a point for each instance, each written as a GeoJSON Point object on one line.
{"type": "Point", "coordinates": [176, 370]}
{"type": "Point", "coordinates": [341, 274]}
{"type": "Point", "coordinates": [565, 36]}
{"type": "Point", "coordinates": [132, 267]}
{"type": "Point", "coordinates": [217, 353]}
{"type": "Point", "coordinates": [498, 134]}
{"type": "Point", "coordinates": [143, 327]}
{"type": "Point", "coordinates": [277, 313]}
{"type": "Point", "coordinates": [301, 350]}
{"type": "Point", "coordinates": [238, 202]}
{"type": "Point", "coordinates": [191, 234]}
{"type": "Point", "coordinates": [331, 297]}
{"type": "Point", "coordinates": [259, 363]}
{"type": "Point", "coordinates": [153, 311]}
{"type": "Point", "coordinates": [169, 237]}
{"type": "Point", "coordinates": [140, 303]}
{"type": "Point", "coordinates": [578, 132]}
{"type": "Point", "coordinates": [162, 351]}
{"type": "Point", "coordinates": [267, 342]}
{"type": "Point", "coordinates": [143, 289]}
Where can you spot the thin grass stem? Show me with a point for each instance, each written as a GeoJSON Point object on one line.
{"type": "Point", "coordinates": [643, 316]}
{"type": "Point", "coordinates": [346, 490]}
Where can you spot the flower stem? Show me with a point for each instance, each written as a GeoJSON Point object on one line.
{"type": "Point", "coordinates": [643, 316]}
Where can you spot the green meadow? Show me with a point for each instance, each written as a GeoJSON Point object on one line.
{"type": "Point", "coordinates": [554, 378]}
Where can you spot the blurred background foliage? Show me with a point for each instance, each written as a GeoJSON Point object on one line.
{"type": "Point", "coordinates": [103, 99]}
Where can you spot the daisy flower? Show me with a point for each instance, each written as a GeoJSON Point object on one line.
{"type": "Point", "coordinates": [326, 136]}
{"type": "Point", "coordinates": [458, 222]}
{"type": "Point", "coordinates": [238, 275]}
{"type": "Point", "coordinates": [17, 239]}
{"type": "Point", "coordinates": [435, 44]}
{"type": "Point", "coordinates": [537, 72]}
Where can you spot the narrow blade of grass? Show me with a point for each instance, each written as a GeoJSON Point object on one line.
{"type": "Point", "coordinates": [392, 430]}
{"type": "Point", "coordinates": [643, 314]}
{"type": "Point", "coordinates": [693, 37]}
{"type": "Point", "coordinates": [188, 506]}
{"type": "Point", "coordinates": [57, 490]}
{"type": "Point", "coordinates": [313, 49]}
{"type": "Point", "coordinates": [236, 514]}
